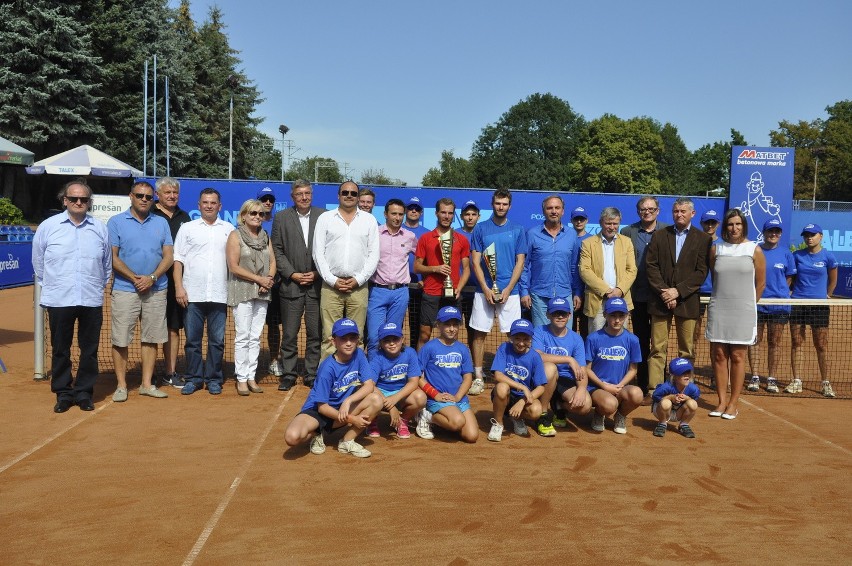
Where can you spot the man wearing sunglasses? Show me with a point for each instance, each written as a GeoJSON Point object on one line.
{"type": "Point", "coordinates": [142, 253]}
{"type": "Point", "coordinates": [266, 196]}
{"type": "Point", "coordinates": [346, 253]}
{"type": "Point", "coordinates": [72, 261]}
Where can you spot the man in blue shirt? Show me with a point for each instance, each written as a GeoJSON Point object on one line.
{"type": "Point", "coordinates": [142, 253]}
{"type": "Point", "coordinates": [72, 261]}
{"type": "Point", "coordinates": [550, 265]}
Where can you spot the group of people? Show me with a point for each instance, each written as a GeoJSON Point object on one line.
{"type": "Point", "coordinates": [351, 283]}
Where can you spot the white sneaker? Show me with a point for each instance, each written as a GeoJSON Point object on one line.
{"type": "Point", "coordinates": [275, 368]}
{"type": "Point", "coordinates": [794, 386]}
{"type": "Point", "coordinates": [317, 444]}
{"type": "Point", "coordinates": [754, 384]}
{"type": "Point", "coordinates": [827, 391]}
{"type": "Point", "coordinates": [597, 422]}
{"type": "Point", "coordinates": [771, 385]}
{"type": "Point", "coordinates": [120, 395]}
{"type": "Point", "coordinates": [152, 392]}
{"type": "Point", "coordinates": [352, 447]}
{"type": "Point", "coordinates": [620, 424]}
{"type": "Point", "coordinates": [496, 432]}
{"type": "Point", "coordinates": [477, 387]}
{"type": "Point", "coordinates": [424, 425]}
{"type": "Point", "coordinates": [520, 427]}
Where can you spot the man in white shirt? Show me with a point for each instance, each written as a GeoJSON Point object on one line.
{"type": "Point", "coordinates": [346, 253]}
{"type": "Point", "coordinates": [201, 286]}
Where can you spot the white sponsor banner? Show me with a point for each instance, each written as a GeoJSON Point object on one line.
{"type": "Point", "coordinates": [105, 207]}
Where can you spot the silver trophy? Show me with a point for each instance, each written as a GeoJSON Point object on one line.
{"type": "Point", "coordinates": [445, 240]}
{"type": "Point", "coordinates": [490, 255]}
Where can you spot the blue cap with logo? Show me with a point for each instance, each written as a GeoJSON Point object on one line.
{"type": "Point", "coordinates": [679, 366]}
{"type": "Point", "coordinates": [521, 326]}
{"type": "Point", "coordinates": [558, 304]}
{"type": "Point", "coordinates": [579, 212]}
{"type": "Point", "coordinates": [811, 229]}
{"type": "Point", "coordinates": [390, 329]}
{"type": "Point", "coordinates": [265, 192]}
{"type": "Point", "coordinates": [448, 313]}
{"type": "Point", "coordinates": [414, 202]}
{"type": "Point", "coordinates": [470, 204]}
{"type": "Point", "coordinates": [771, 223]}
{"type": "Point", "coordinates": [616, 304]}
{"type": "Point", "coordinates": [344, 327]}
{"type": "Point", "coordinates": [710, 216]}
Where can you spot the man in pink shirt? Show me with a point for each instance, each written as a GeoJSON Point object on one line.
{"type": "Point", "coordinates": [389, 284]}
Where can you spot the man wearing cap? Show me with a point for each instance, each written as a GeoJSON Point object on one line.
{"type": "Point", "coordinates": [413, 214]}
{"type": "Point", "coordinates": [607, 267]}
{"type": "Point", "coordinates": [709, 223]}
{"type": "Point", "coordinates": [550, 264]}
{"type": "Point", "coordinates": [72, 261]}
{"type": "Point", "coordinates": [579, 219]}
{"type": "Point", "coordinates": [676, 264]}
{"type": "Point", "coordinates": [266, 196]}
{"type": "Point", "coordinates": [469, 219]}
{"type": "Point", "coordinates": [299, 282]}
{"type": "Point", "coordinates": [780, 270]}
{"type": "Point", "coordinates": [389, 284]}
{"type": "Point", "coordinates": [509, 242]}
{"type": "Point", "coordinates": [346, 253]}
{"type": "Point", "coordinates": [366, 199]}
{"type": "Point", "coordinates": [142, 253]}
{"type": "Point", "coordinates": [640, 234]}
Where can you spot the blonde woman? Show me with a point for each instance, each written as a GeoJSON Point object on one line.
{"type": "Point", "coordinates": [251, 275]}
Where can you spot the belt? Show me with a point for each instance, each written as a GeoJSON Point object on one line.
{"type": "Point", "coordinates": [390, 287]}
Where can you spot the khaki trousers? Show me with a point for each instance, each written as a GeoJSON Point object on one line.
{"type": "Point", "coordinates": [660, 326]}
{"type": "Point", "coordinates": [335, 305]}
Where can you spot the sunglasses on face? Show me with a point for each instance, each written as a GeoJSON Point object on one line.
{"type": "Point", "coordinates": [349, 193]}
{"type": "Point", "coordinates": [143, 196]}
{"type": "Point", "coordinates": [267, 199]}
{"type": "Point", "coordinates": [84, 200]}
{"type": "Point", "coordinates": [254, 213]}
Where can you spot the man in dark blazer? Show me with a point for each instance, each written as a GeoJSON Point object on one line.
{"type": "Point", "coordinates": [300, 283]}
{"type": "Point", "coordinates": [676, 264]}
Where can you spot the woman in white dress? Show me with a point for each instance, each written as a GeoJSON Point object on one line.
{"type": "Point", "coordinates": [739, 276]}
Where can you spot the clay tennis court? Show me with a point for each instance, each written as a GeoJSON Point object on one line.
{"type": "Point", "coordinates": [208, 480]}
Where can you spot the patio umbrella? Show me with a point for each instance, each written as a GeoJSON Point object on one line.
{"type": "Point", "coordinates": [13, 154]}
{"type": "Point", "coordinates": [83, 160]}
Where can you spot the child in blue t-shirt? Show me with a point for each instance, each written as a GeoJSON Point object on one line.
{"type": "Point", "coordinates": [343, 395]}
{"type": "Point", "coordinates": [611, 357]}
{"type": "Point", "coordinates": [447, 375]}
{"type": "Point", "coordinates": [523, 386]}
{"type": "Point", "coordinates": [397, 369]}
{"type": "Point", "coordinates": [676, 400]}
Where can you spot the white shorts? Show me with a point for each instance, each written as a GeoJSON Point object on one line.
{"type": "Point", "coordinates": [482, 316]}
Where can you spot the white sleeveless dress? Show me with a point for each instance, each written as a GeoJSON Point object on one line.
{"type": "Point", "coordinates": [732, 314]}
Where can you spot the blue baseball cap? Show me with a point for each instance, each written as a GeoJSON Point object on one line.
{"type": "Point", "coordinates": [521, 326]}
{"type": "Point", "coordinates": [265, 192]}
{"type": "Point", "coordinates": [772, 223]}
{"type": "Point", "coordinates": [579, 212]}
{"type": "Point", "coordinates": [414, 202]}
{"type": "Point", "coordinates": [448, 313]}
{"type": "Point", "coordinates": [344, 327]}
{"type": "Point", "coordinates": [390, 329]}
{"type": "Point", "coordinates": [558, 304]}
{"type": "Point", "coordinates": [616, 304]}
{"type": "Point", "coordinates": [811, 229]}
{"type": "Point", "coordinates": [710, 216]}
{"type": "Point", "coordinates": [470, 204]}
{"type": "Point", "coordinates": [679, 366]}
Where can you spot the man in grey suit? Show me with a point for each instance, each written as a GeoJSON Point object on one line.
{"type": "Point", "coordinates": [293, 241]}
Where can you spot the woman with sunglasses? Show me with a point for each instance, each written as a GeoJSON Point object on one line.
{"type": "Point", "coordinates": [251, 272]}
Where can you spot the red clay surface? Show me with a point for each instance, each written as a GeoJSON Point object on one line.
{"type": "Point", "coordinates": [208, 480]}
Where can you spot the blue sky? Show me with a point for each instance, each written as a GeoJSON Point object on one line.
{"type": "Point", "coordinates": [390, 84]}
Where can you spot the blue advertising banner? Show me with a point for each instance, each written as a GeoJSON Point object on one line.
{"type": "Point", "coordinates": [836, 233]}
{"type": "Point", "coordinates": [844, 282]}
{"type": "Point", "coordinates": [16, 264]}
{"type": "Point", "coordinates": [762, 186]}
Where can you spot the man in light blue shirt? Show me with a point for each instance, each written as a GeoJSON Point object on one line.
{"type": "Point", "coordinates": [72, 261]}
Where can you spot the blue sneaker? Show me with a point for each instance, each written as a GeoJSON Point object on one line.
{"type": "Point", "coordinates": [214, 388]}
{"type": "Point", "coordinates": [191, 387]}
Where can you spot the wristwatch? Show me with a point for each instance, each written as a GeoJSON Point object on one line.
{"type": "Point", "coordinates": [153, 278]}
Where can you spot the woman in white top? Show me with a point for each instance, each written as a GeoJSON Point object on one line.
{"type": "Point", "coordinates": [739, 276]}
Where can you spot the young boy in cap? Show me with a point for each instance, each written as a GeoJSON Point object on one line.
{"type": "Point", "coordinates": [676, 400]}
{"type": "Point", "coordinates": [398, 372]}
{"type": "Point", "coordinates": [579, 219]}
{"type": "Point", "coordinates": [343, 395]}
{"type": "Point", "coordinates": [447, 375]}
{"type": "Point", "coordinates": [611, 357]}
{"type": "Point", "coordinates": [523, 386]}
{"type": "Point", "coordinates": [562, 348]}
{"type": "Point", "coordinates": [469, 219]}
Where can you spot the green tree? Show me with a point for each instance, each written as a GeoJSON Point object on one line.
{"type": "Point", "coordinates": [531, 146]}
{"type": "Point", "coordinates": [806, 137]}
{"type": "Point", "coordinates": [713, 163]}
{"type": "Point", "coordinates": [265, 159]}
{"type": "Point", "coordinates": [620, 156]}
{"type": "Point", "coordinates": [375, 177]}
{"type": "Point", "coordinates": [452, 171]}
{"type": "Point", "coordinates": [675, 164]}
{"type": "Point", "coordinates": [315, 168]}
{"type": "Point", "coordinates": [835, 175]}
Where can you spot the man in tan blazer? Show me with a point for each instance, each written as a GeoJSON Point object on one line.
{"type": "Point", "coordinates": [607, 267]}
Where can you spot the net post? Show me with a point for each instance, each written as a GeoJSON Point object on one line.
{"type": "Point", "coordinates": [38, 334]}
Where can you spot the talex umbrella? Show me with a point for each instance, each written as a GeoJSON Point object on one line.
{"type": "Point", "coordinates": [13, 154]}
{"type": "Point", "coordinates": [83, 160]}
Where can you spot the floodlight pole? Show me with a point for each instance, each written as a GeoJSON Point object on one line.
{"type": "Point", "coordinates": [283, 129]}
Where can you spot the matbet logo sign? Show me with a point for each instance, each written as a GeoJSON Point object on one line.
{"type": "Point", "coordinates": [755, 157]}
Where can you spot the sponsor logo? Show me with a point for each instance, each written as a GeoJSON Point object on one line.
{"type": "Point", "coordinates": [769, 155]}
{"type": "Point", "coordinates": [556, 351]}
{"type": "Point", "coordinates": [518, 373]}
{"type": "Point", "coordinates": [351, 379]}
{"type": "Point", "coordinates": [10, 264]}
{"type": "Point", "coordinates": [615, 353]}
{"type": "Point", "coordinates": [451, 360]}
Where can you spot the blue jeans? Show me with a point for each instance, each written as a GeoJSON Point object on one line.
{"type": "Point", "coordinates": [384, 306]}
{"type": "Point", "coordinates": [539, 310]}
{"type": "Point", "coordinates": [215, 315]}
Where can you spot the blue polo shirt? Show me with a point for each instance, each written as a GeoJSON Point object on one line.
{"type": "Point", "coordinates": [140, 246]}
{"type": "Point", "coordinates": [336, 382]}
{"type": "Point", "coordinates": [569, 345]}
{"type": "Point", "coordinates": [779, 266]}
{"type": "Point", "coordinates": [812, 273]}
{"type": "Point", "coordinates": [509, 240]}
{"type": "Point", "coordinates": [550, 266]}
{"type": "Point", "coordinates": [393, 373]}
{"type": "Point", "coordinates": [611, 356]}
{"type": "Point", "coordinates": [526, 368]}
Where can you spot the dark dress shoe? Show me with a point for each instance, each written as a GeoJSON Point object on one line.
{"type": "Point", "coordinates": [86, 405]}
{"type": "Point", "coordinates": [285, 385]}
{"type": "Point", "coordinates": [308, 382]}
{"type": "Point", "coordinates": [62, 405]}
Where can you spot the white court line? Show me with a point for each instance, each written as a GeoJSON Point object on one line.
{"type": "Point", "coordinates": [797, 427]}
{"type": "Point", "coordinates": [232, 489]}
{"type": "Point", "coordinates": [35, 449]}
